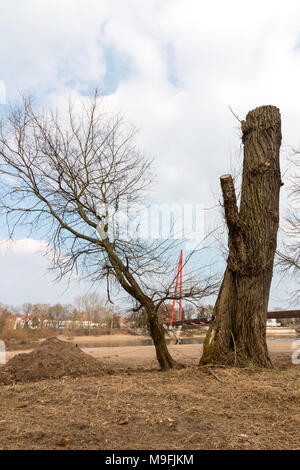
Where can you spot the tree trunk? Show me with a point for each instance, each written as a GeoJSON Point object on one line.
{"type": "Point", "coordinates": [163, 356]}
{"type": "Point", "coordinates": [130, 285]}
{"type": "Point", "coordinates": [237, 333]}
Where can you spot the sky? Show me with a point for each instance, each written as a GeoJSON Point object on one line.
{"type": "Point", "coordinates": [173, 67]}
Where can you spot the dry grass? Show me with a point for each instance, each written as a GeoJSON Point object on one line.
{"type": "Point", "coordinates": [186, 409]}
{"type": "Point", "coordinates": [23, 338]}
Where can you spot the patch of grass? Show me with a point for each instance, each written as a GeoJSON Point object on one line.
{"type": "Point", "coordinates": [16, 339]}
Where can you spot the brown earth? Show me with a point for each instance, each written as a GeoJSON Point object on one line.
{"type": "Point", "coordinates": [193, 408]}
{"type": "Point", "coordinates": [124, 351]}
{"type": "Point", "coordinates": [53, 358]}
{"type": "Point", "coordinates": [185, 409]}
{"type": "Point", "coordinates": [189, 354]}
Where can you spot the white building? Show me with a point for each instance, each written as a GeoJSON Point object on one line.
{"type": "Point", "coordinates": [272, 322]}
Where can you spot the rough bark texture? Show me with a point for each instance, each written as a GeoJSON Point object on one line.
{"type": "Point", "coordinates": [237, 333]}
{"type": "Point", "coordinates": [164, 358]}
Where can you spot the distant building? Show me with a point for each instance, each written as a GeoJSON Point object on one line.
{"type": "Point", "coordinates": [26, 321]}
{"type": "Point", "coordinates": [272, 322]}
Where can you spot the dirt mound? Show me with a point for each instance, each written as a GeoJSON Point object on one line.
{"type": "Point", "coordinates": [52, 359]}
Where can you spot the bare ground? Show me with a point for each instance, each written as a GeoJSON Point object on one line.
{"type": "Point", "coordinates": [185, 409]}
{"type": "Point", "coordinates": [144, 356]}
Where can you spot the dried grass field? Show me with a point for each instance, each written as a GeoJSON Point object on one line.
{"type": "Point", "coordinates": [192, 408]}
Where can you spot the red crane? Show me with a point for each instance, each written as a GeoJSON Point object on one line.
{"type": "Point", "coordinates": [178, 280]}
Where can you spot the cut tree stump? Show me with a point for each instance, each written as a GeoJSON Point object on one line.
{"type": "Point", "coordinates": [237, 333]}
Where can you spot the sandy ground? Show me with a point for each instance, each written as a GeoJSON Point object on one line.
{"type": "Point", "coordinates": [87, 340]}
{"type": "Point", "coordinates": [144, 356]}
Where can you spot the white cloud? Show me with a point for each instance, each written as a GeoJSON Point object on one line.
{"type": "Point", "coordinates": [24, 246]}
{"type": "Point", "coordinates": [223, 53]}
{"type": "Point", "coordinates": [186, 61]}
{"type": "Point", "coordinates": [25, 277]}
{"type": "Point", "coordinates": [50, 45]}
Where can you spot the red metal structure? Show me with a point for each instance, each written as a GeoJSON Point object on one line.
{"type": "Point", "coordinates": [178, 279]}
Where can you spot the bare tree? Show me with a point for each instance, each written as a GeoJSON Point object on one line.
{"type": "Point", "coordinates": [70, 173]}
{"type": "Point", "coordinates": [27, 308]}
{"type": "Point", "coordinates": [237, 333]}
{"type": "Point", "coordinates": [92, 306]}
{"type": "Point", "coordinates": [288, 258]}
{"type": "Point", "coordinates": [41, 312]}
{"type": "Point", "coordinates": [57, 315]}
{"type": "Point", "coordinates": [4, 315]}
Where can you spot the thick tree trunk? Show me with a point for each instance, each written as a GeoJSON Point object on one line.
{"type": "Point", "coordinates": [237, 333]}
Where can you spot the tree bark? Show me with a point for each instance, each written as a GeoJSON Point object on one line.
{"type": "Point", "coordinates": [237, 333]}
{"type": "Point", "coordinates": [163, 356]}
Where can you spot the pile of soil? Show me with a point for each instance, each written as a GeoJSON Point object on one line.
{"type": "Point", "coordinates": [52, 359]}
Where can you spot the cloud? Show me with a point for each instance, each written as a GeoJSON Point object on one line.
{"type": "Point", "coordinates": [188, 65]}
{"type": "Point", "coordinates": [24, 246]}
{"type": "Point", "coordinates": [24, 275]}
{"type": "Point", "coordinates": [52, 45]}
{"type": "Point", "coordinates": [172, 66]}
